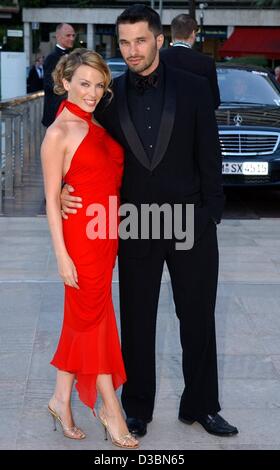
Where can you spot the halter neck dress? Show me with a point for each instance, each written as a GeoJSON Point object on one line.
{"type": "Point", "coordinates": [89, 342]}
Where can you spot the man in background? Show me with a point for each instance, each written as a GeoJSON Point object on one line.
{"type": "Point", "coordinates": [65, 37]}
{"type": "Point", "coordinates": [277, 73]}
{"type": "Point", "coordinates": [182, 55]}
{"type": "Point", "coordinates": [35, 76]}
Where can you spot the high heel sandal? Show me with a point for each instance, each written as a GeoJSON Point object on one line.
{"type": "Point", "coordinates": [72, 433]}
{"type": "Point", "coordinates": [122, 441]}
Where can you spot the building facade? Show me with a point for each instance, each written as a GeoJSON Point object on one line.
{"type": "Point", "coordinates": [94, 22]}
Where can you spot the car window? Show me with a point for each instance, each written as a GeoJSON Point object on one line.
{"type": "Point", "coordinates": [117, 67]}
{"type": "Point", "coordinates": [247, 87]}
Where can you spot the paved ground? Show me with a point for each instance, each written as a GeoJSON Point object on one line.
{"type": "Point", "coordinates": [248, 327]}
{"type": "Point", "coordinates": [28, 198]}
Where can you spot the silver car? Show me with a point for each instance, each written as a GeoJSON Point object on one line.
{"type": "Point", "coordinates": [117, 66]}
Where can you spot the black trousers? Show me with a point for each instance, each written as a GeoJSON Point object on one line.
{"type": "Point", "coordinates": [193, 276]}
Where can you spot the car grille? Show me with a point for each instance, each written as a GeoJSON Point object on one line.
{"type": "Point", "coordinates": [248, 142]}
{"type": "Point", "coordinates": [240, 143]}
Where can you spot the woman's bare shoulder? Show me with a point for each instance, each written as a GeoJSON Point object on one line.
{"type": "Point", "coordinates": [57, 130]}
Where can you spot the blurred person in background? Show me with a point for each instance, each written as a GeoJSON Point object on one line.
{"type": "Point", "coordinates": [277, 73]}
{"type": "Point", "coordinates": [35, 76]}
{"type": "Point", "coordinates": [182, 55]}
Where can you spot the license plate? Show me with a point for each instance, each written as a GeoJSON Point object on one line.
{"type": "Point", "coordinates": [245, 168]}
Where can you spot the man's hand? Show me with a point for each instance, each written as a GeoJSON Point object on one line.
{"type": "Point", "coordinates": [68, 202]}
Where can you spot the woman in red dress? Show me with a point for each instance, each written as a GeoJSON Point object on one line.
{"type": "Point", "coordinates": [79, 151]}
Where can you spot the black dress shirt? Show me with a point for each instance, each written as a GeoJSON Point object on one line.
{"type": "Point", "coordinates": [145, 108]}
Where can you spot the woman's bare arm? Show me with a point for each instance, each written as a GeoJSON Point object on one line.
{"type": "Point", "coordinates": [52, 155]}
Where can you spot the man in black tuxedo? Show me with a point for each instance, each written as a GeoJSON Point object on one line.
{"type": "Point", "coordinates": [182, 55]}
{"type": "Point", "coordinates": [65, 36]}
{"type": "Point", "coordinates": [165, 120]}
{"type": "Point", "coordinates": [35, 76]}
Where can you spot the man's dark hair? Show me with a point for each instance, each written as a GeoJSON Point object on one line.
{"type": "Point", "coordinates": [138, 12]}
{"type": "Point", "coordinates": [182, 26]}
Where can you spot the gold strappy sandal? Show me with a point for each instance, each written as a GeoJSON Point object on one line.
{"type": "Point", "coordinates": [127, 441]}
{"type": "Point", "coordinates": [72, 432]}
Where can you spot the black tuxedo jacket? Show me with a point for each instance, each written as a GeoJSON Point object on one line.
{"type": "Point", "coordinates": [186, 165]}
{"type": "Point", "coordinates": [51, 101]}
{"type": "Point", "coordinates": [192, 61]}
{"type": "Point", "coordinates": [34, 82]}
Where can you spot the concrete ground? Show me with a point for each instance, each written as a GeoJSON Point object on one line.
{"type": "Point", "coordinates": [248, 339]}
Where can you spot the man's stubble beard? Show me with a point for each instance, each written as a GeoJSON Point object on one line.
{"type": "Point", "coordinates": [149, 61]}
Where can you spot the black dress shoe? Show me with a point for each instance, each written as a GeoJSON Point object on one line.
{"type": "Point", "coordinates": [137, 426]}
{"type": "Point", "coordinates": [214, 424]}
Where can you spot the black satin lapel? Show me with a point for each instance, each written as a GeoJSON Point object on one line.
{"type": "Point", "coordinates": [167, 119]}
{"type": "Point", "coordinates": [127, 125]}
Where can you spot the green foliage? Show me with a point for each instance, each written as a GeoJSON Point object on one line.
{"type": "Point", "coordinates": [84, 3]}
{"type": "Point", "coordinates": [267, 3]}
{"type": "Point", "coordinates": [68, 3]}
{"type": "Point", "coordinates": [249, 60]}
{"type": "Point", "coordinates": [7, 3]}
{"type": "Point", "coordinates": [32, 3]}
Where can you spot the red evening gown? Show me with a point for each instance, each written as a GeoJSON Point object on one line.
{"type": "Point", "coordinates": [89, 343]}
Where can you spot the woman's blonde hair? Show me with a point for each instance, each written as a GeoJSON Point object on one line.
{"type": "Point", "coordinates": [69, 63]}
